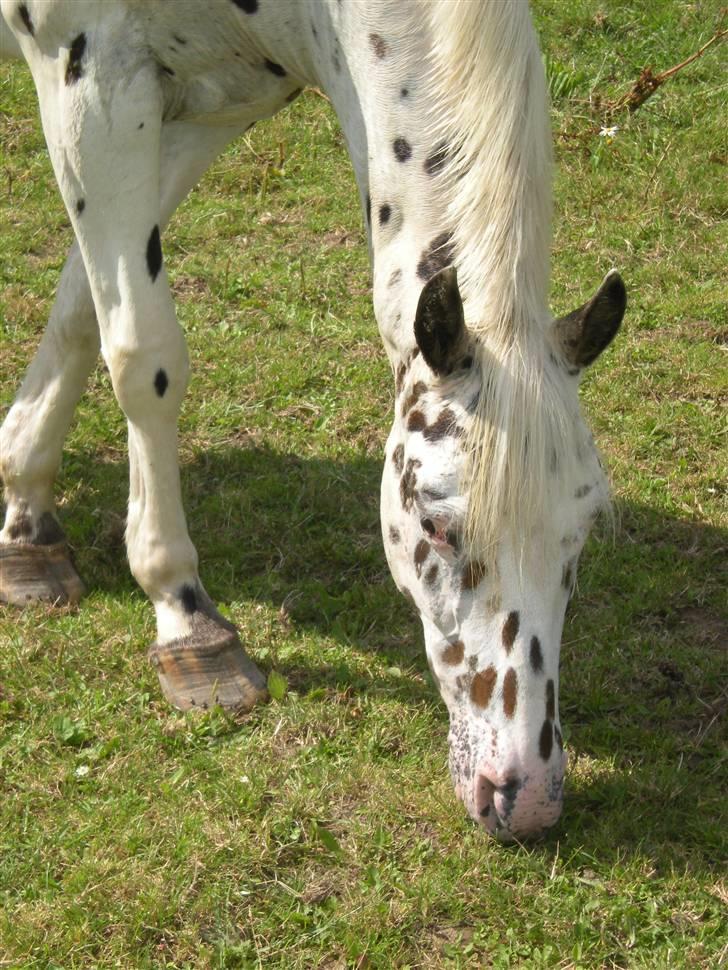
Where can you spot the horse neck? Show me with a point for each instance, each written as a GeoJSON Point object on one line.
{"type": "Point", "coordinates": [444, 111]}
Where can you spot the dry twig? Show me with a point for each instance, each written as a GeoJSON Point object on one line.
{"type": "Point", "coordinates": [647, 83]}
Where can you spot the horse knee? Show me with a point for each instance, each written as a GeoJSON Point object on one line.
{"type": "Point", "coordinates": [149, 381]}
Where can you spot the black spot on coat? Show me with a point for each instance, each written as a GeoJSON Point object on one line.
{"type": "Point", "coordinates": [25, 17]}
{"type": "Point", "coordinates": [546, 740]}
{"type": "Point", "coordinates": [154, 253]}
{"type": "Point", "coordinates": [402, 149]}
{"type": "Point", "coordinates": [249, 6]}
{"type": "Point", "coordinates": [49, 531]}
{"type": "Point", "coordinates": [536, 655]}
{"type": "Point", "coordinates": [550, 700]}
{"type": "Point", "coordinates": [274, 68]}
{"type": "Point", "coordinates": [435, 162]}
{"type": "Point", "coordinates": [80, 206]}
{"type": "Point", "coordinates": [75, 56]}
{"type": "Point", "coordinates": [189, 598]}
{"type": "Point", "coordinates": [21, 528]}
{"type": "Point", "coordinates": [436, 257]}
{"type": "Point", "coordinates": [385, 211]}
{"type": "Point", "coordinates": [161, 382]}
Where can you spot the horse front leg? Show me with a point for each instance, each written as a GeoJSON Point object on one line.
{"type": "Point", "coordinates": [102, 121]}
{"type": "Point", "coordinates": [35, 563]}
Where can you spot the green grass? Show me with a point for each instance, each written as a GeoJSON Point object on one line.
{"type": "Point", "coordinates": [323, 831]}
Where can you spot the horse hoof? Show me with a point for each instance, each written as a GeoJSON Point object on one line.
{"type": "Point", "coordinates": [208, 667]}
{"type": "Point", "coordinates": [38, 573]}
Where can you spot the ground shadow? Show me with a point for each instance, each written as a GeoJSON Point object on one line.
{"type": "Point", "coordinates": [643, 646]}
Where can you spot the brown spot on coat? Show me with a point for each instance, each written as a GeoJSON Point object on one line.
{"type": "Point", "coordinates": [416, 421]}
{"type": "Point", "coordinates": [413, 397]}
{"type": "Point", "coordinates": [453, 653]}
{"type": "Point", "coordinates": [483, 685]}
{"type": "Point", "coordinates": [510, 630]}
{"type": "Point", "coordinates": [567, 576]}
{"type": "Point", "coordinates": [510, 692]}
{"type": "Point", "coordinates": [431, 574]}
{"type": "Point", "coordinates": [407, 595]}
{"type": "Point", "coordinates": [399, 377]}
{"type": "Point", "coordinates": [394, 535]}
{"type": "Point", "coordinates": [398, 458]}
{"type": "Point", "coordinates": [445, 424]}
{"type": "Point", "coordinates": [379, 45]}
{"type": "Point", "coordinates": [422, 551]}
{"type": "Point", "coordinates": [408, 483]}
{"type": "Point", "coordinates": [473, 574]}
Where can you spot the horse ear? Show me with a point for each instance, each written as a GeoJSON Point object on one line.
{"type": "Point", "coordinates": [584, 333]}
{"type": "Point", "coordinates": [440, 322]}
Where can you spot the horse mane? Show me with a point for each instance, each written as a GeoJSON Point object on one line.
{"type": "Point", "coordinates": [492, 113]}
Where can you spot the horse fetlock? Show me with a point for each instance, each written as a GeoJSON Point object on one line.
{"type": "Point", "coordinates": [161, 569]}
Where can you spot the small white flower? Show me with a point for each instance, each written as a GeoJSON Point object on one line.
{"type": "Point", "coordinates": [609, 132]}
{"type": "Point", "coordinates": [82, 770]}
{"type": "Point", "coordinates": [245, 780]}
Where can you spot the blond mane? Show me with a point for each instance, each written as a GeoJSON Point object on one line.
{"type": "Point", "coordinates": [492, 114]}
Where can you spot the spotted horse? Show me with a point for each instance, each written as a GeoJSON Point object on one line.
{"type": "Point", "coordinates": [491, 479]}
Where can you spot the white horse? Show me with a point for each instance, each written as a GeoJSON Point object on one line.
{"type": "Point", "coordinates": [491, 480]}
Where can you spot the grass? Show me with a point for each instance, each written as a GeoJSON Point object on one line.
{"type": "Point", "coordinates": [322, 831]}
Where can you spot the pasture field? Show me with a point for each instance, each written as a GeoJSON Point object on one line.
{"type": "Point", "coordinates": [322, 830]}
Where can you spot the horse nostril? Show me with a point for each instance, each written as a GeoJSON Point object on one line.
{"type": "Point", "coordinates": [484, 800]}
{"type": "Point", "coordinates": [429, 526]}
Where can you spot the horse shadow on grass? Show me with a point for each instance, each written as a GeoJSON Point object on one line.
{"type": "Point", "coordinates": [643, 645]}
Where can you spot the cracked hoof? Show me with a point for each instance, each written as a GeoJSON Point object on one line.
{"type": "Point", "coordinates": [208, 667]}
{"type": "Point", "coordinates": [38, 573]}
